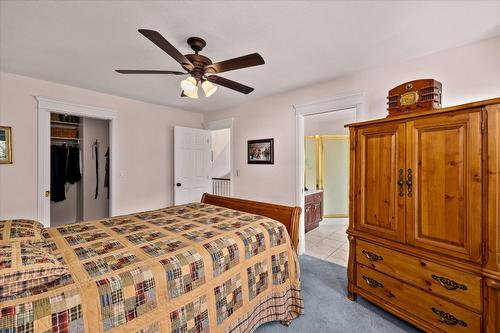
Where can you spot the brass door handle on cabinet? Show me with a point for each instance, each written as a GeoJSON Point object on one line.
{"type": "Point", "coordinates": [448, 283]}
{"type": "Point", "coordinates": [448, 318]}
{"type": "Point", "coordinates": [401, 183]}
{"type": "Point", "coordinates": [372, 256]}
{"type": "Point", "coordinates": [372, 282]}
{"type": "Point", "coordinates": [409, 182]}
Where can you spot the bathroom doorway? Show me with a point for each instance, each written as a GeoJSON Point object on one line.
{"type": "Point", "coordinates": [326, 184]}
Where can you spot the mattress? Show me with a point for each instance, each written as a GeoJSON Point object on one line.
{"type": "Point", "coordinates": [190, 268]}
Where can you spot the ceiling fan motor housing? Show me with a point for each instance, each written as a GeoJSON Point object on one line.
{"type": "Point", "coordinates": [199, 61]}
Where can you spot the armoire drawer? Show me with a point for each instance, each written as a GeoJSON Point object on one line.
{"type": "Point", "coordinates": [456, 285]}
{"type": "Point", "coordinates": [434, 310]}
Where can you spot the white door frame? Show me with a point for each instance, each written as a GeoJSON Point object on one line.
{"type": "Point", "coordinates": [222, 124]}
{"type": "Point", "coordinates": [337, 103]}
{"type": "Point", "coordinates": [45, 107]}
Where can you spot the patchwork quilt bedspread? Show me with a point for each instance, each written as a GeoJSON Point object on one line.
{"type": "Point", "coordinates": [191, 268]}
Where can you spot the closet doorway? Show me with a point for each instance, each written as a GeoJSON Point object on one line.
{"type": "Point", "coordinates": [79, 169]}
{"type": "Point", "coordinates": [75, 162]}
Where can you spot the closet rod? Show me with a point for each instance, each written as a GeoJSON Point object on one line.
{"type": "Point", "coordinates": [57, 143]}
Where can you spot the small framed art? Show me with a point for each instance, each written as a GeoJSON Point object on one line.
{"type": "Point", "coordinates": [5, 145]}
{"type": "Point", "coordinates": [261, 151]}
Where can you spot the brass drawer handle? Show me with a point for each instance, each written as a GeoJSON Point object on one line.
{"type": "Point", "coordinates": [372, 256]}
{"type": "Point", "coordinates": [448, 283]}
{"type": "Point", "coordinates": [448, 318]}
{"type": "Point", "coordinates": [372, 282]}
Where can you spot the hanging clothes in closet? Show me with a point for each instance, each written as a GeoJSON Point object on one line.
{"type": "Point", "coordinates": [58, 157]}
{"type": "Point", "coordinates": [73, 174]}
{"type": "Point", "coordinates": [64, 168]}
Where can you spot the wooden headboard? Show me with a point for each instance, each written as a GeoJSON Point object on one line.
{"type": "Point", "coordinates": [289, 216]}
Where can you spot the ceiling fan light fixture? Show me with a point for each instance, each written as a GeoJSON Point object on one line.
{"type": "Point", "coordinates": [198, 66]}
{"type": "Point", "coordinates": [189, 86]}
{"type": "Point", "coordinates": [209, 88]}
{"type": "Point", "coordinates": [193, 94]}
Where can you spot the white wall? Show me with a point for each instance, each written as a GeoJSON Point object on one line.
{"type": "Point", "coordinates": [221, 149]}
{"type": "Point", "coordinates": [145, 145]}
{"type": "Point", "coordinates": [310, 163]}
{"type": "Point", "coordinates": [468, 73]}
{"type": "Point", "coordinates": [329, 123]}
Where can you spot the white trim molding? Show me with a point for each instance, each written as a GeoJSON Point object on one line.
{"type": "Point", "coordinates": [45, 107]}
{"type": "Point", "coordinates": [337, 103]}
{"type": "Point", "coordinates": [59, 106]}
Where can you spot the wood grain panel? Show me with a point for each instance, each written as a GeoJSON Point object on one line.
{"type": "Point", "coordinates": [492, 234]}
{"type": "Point", "coordinates": [381, 156]}
{"type": "Point", "coordinates": [492, 306]}
{"type": "Point", "coordinates": [444, 154]}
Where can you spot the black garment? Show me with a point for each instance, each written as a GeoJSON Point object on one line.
{"type": "Point", "coordinates": [95, 148]}
{"type": "Point", "coordinates": [58, 158]}
{"type": "Point", "coordinates": [106, 174]}
{"type": "Point", "coordinates": [73, 174]}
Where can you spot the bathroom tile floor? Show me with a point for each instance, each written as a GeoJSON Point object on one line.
{"type": "Point", "coordinates": [329, 241]}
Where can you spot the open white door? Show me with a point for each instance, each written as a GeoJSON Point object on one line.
{"type": "Point", "coordinates": [192, 149]}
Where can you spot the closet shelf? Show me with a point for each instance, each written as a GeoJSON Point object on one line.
{"type": "Point", "coordinates": [61, 138]}
{"type": "Point", "coordinates": [64, 123]}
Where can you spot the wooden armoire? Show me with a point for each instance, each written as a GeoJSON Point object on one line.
{"type": "Point", "coordinates": [424, 229]}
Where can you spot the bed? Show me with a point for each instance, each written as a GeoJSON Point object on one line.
{"type": "Point", "coordinates": [221, 265]}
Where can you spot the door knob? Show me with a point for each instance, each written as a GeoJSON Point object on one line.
{"type": "Point", "coordinates": [178, 184]}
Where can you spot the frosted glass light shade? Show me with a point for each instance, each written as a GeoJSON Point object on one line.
{"type": "Point", "coordinates": [189, 85]}
{"type": "Point", "coordinates": [193, 94]}
{"type": "Point", "coordinates": [209, 88]}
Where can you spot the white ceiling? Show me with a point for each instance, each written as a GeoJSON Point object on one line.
{"type": "Point", "coordinates": [80, 43]}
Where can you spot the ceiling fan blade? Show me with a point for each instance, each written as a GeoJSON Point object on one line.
{"type": "Point", "coordinates": [140, 71]}
{"type": "Point", "coordinates": [163, 44]}
{"type": "Point", "coordinates": [230, 84]}
{"type": "Point", "coordinates": [248, 60]}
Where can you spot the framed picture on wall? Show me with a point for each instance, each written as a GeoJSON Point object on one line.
{"type": "Point", "coordinates": [5, 145]}
{"type": "Point", "coordinates": [261, 151]}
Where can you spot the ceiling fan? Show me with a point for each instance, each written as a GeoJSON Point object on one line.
{"type": "Point", "coordinates": [198, 66]}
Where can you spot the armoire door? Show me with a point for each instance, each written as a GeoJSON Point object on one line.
{"type": "Point", "coordinates": [380, 169]}
{"type": "Point", "coordinates": [444, 200]}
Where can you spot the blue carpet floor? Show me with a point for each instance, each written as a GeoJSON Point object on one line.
{"type": "Point", "coordinates": [327, 308]}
